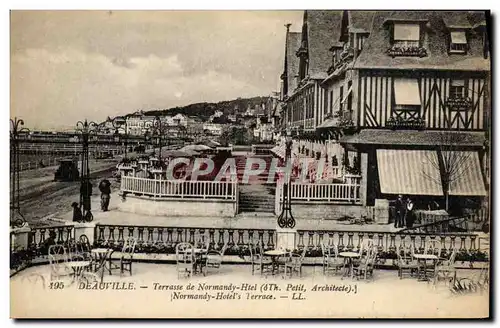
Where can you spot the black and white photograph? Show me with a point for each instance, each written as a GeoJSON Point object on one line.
{"type": "Point", "coordinates": [250, 164]}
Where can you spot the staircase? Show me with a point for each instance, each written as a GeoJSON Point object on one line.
{"type": "Point", "coordinates": [259, 179]}
{"type": "Point", "coordinates": [256, 198]}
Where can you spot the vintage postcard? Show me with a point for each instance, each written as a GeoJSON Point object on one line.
{"type": "Point", "coordinates": [250, 164]}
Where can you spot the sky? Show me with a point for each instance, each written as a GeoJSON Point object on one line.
{"type": "Point", "coordinates": [74, 65]}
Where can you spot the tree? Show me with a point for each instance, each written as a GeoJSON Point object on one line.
{"type": "Point", "coordinates": [450, 162]}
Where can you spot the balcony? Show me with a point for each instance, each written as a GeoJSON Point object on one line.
{"type": "Point", "coordinates": [398, 51]}
{"type": "Point", "coordinates": [459, 103]}
{"type": "Point", "coordinates": [399, 123]}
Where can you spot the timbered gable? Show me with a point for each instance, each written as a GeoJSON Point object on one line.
{"type": "Point", "coordinates": [437, 101]}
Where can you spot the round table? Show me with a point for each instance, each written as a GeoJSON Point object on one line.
{"type": "Point", "coordinates": [423, 258]}
{"type": "Point", "coordinates": [348, 260]}
{"type": "Point", "coordinates": [275, 254]}
{"type": "Point", "coordinates": [78, 267]}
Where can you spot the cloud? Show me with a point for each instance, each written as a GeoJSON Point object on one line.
{"type": "Point", "coordinates": [55, 88]}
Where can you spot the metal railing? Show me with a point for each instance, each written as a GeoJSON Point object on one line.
{"type": "Point", "coordinates": [162, 240]}
{"type": "Point", "coordinates": [179, 189]}
{"type": "Point", "coordinates": [323, 192]}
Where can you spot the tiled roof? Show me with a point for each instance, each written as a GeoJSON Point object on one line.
{"type": "Point", "coordinates": [436, 43]}
{"type": "Point", "coordinates": [412, 137]}
{"type": "Point", "coordinates": [323, 28]}
{"type": "Point", "coordinates": [293, 44]}
{"type": "Point", "coordinates": [360, 21]}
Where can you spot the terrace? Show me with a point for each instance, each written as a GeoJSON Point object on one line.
{"type": "Point", "coordinates": [381, 297]}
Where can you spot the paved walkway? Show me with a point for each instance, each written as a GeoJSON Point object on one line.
{"type": "Point", "coordinates": [241, 221]}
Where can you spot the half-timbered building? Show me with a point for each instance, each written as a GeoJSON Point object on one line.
{"type": "Point", "coordinates": [422, 82]}
{"type": "Point", "coordinates": [407, 93]}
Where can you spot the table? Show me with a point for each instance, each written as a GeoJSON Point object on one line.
{"type": "Point", "coordinates": [275, 254]}
{"type": "Point", "coordinates": [199, 262]}
{"type": "Point", "coordinates": [78, 267]}
{"type": "Point", "coordinates": [100, 256]}
{"type": "Point", "coordinates": [348, 257]}
{"type": "Point", "coordinates": [422, 259]}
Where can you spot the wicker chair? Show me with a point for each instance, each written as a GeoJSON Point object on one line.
{"type": "Point", "coordinates": [126, 257]}
{"type": "Point", "coordinates": [445, 270]}
{"type": "Point", "coordinates": [83, 247]}
{"type": "Point", "coordinates": [259, 262]}
{"type": "Point", "coordinates": [366, 265]}
{"type": "Point", "coordinates": [185, 258]}
{"type": "Point", "coordinates": [214, 257]}
{"type": "Point", "coordinates": [406, 262]}
{"type": "Point", "coordinates": [293, 264]}
{"type": "Point", "coordinates": [331, 262]}
{"type": "Point", "coordinates": [58, 261]}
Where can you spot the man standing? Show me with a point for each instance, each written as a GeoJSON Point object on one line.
{"type": "Point", "coordinates": [400, 209]}
{"type": "Point", "coordinates": [105, 188]}
{"type": "Point", "coordinates": [409, 213]}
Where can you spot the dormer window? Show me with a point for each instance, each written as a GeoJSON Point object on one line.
{"type": "Point", "coordinates": [458, 42]}
{"type": "Point", "coordinates": [407, 40]}
{"type": "Point", "coordinates": [406, 35]}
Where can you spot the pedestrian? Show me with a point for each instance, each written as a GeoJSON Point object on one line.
{"type": "Point", "coordinates": [409, 213]}
{"type": "Point", "coordinates": [77, 212]}
{"type": "Point", "coordinates": [400, 208]}
{"type": "Point", "coordinates": [105, 189]}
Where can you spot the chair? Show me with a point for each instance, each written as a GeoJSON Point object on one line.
{"type": "Point", "coordinates": [58, 260]}
{"type": "Point", "coordinates": [125, 259]}
{"type": "Point", "coordinates": [294, 263]}
{"type": "Point", "coordinates": [214, 257]}
{"type": "Point", "coordinates": [185, 259]}
{"type": "Point", "coordinates": [259, 262]}
{"type": "Point", "coordinates": [366, 264]}
{"type": "Point", "coordinates": [406, 262]}
{"type": "Point", "coordinates": [72, 251]}
{"type": "Point", "coordinates": [366, 245]}
{"type": "Point", "coordinates": [331, 261]}
{"type": "Point", "coordinates": [84, 248]}
{"type": "Point", "coordinates": [446, 269]}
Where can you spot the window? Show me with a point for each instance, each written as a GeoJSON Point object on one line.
{"type": "Point", "coordinates": [457, 89]}
{"type": "Point", "coordinates": [407, 35]}
{"type": "Point", "coordinates": [458, 42]}
{"type": "Point", "coordinates": [334, 58]}
{"type": "Point", "coordinates": [341, 97]}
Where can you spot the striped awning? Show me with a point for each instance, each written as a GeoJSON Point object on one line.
{"type": "Point", "coordinates": [464, 169]}
{"type": "Point", "coordinates": [409, 172]}
{"type": "Point", "coordinates": [406, 92]}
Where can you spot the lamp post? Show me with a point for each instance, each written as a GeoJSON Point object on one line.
{"type": "Point", "coordinates": [16, 128]}
{"type": "Point", "coordinates": [85, 129]}
{"type": "Point", "coordinates": [117, 123]}
{"type": "Point", "coordinates": [285, 219]}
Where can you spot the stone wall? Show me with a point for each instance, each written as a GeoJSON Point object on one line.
{"type": "Point", "coordinates": [177, 207]}
{"type": "Point", "coordinates": [326, 211]}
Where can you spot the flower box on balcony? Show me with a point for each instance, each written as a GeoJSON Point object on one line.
{"type": "Point", "coordinates": [396, 51]}
{"type": "Point", "coordinates": [459, 103]}
{"type": "Point", "coordinates": [402, 124]}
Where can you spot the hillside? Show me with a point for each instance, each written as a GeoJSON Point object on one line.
{"type": "Point", "coordinates": [204, 110]}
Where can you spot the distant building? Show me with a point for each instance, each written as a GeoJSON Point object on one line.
{"type": "Point", "coordinates": [213, 128]}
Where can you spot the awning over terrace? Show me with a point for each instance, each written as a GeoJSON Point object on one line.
{"type": "Point", "coordinates": [409, 172]}
{"type": "Point", "coordinates": [465, 173]}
